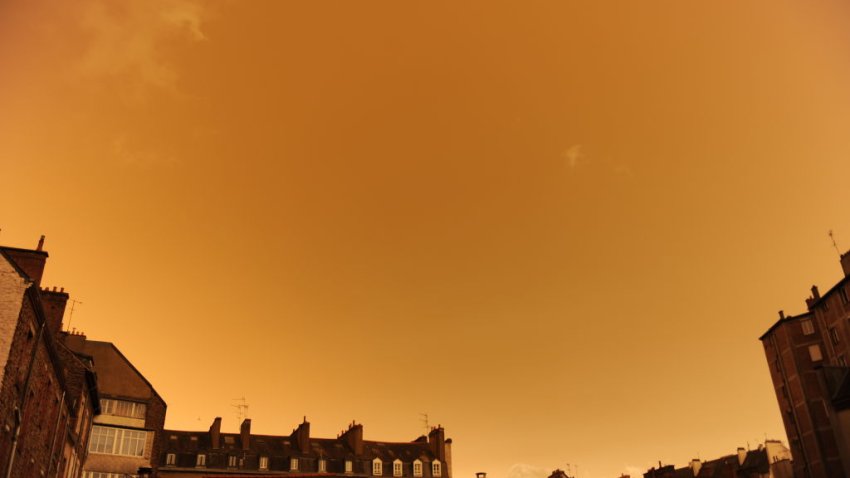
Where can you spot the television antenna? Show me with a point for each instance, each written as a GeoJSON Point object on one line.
{"type": "Point", "coordinates": [423, 417]}
{"type": "Point", "coordinates": [74, 302]}
{"type": "Point", "coordinates": [834, 244]}
{"type": "Point", "coordinates": [241, 407]}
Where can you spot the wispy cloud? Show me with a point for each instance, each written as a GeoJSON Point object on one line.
{"type": "Point", "coordinates": [126, 38]}
{"type": "Point", "coordinates": [572, 156]}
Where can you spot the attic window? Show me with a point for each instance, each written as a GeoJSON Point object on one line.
{"type": "Point", "coordinates": [228, 440]}
{"type": "Point", "coordinates": [348, 466]}
{"type": "Point", "coordinates": [231, 461]}
{"type": "Point", "coordinates": [201, 460]}
{"type": "Point", "coordinates": [193, 438]}
{"type": "Point", "coordinates": [397, 468]}
{"type": "Point", "coordinates": [323, 465]}
{"type": "Point", "coordinates": [436, 469]}
{"type": "Point", "coordinates": [170, 459]}
{"type": "Point", "coordinates": [264, 463]}
{"type": "Point", "coordinates": [417, 468]}
{"type": "Point", "coordinates": [808, 328]}
{"type": "Point", "coordinates": [377, 467]}
{"type": "Point", "coordinates": [293, 464]}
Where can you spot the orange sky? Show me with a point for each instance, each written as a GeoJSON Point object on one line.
{"type": "Point", "coordinates": [557, 227]}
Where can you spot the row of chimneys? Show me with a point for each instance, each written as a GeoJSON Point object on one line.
{"type": "Point", "coordinates": [353, 437]}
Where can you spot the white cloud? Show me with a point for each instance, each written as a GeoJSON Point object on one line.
{"type": "Point", "coordinates": [126, 38]}
{"type": "Point", "coordinates": [523, 470]}
{"type": "Point", "coordinates": [572, 155]}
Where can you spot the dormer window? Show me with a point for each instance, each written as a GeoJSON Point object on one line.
{"type": "Point", "coordinates": [231, 461]}
{"type": "Point", "coordinates": [436, 469]}
{"type": "Point", "coordinates": [377, 467]}
{"type": "Point", "coordinates": [264, 463]}
{"type": "Point", "coordinates": [397, 467]}
{"type": "Point", "coordinates": [201, 460]}
{"type": "Point", "coordinates": [417, 467]}
{"type": "Point", "coordinates": [170, 459]}
{"type": "Point", "coordinates": [293, 464]}
{"type": "Point", "coordinates": [348, 466]}
{"type": "Point", "coordinates": [323, 465]}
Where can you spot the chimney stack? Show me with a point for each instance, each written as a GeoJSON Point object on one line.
{"type": "Point", "coordinates": [845, 263]}
{"type": "Point", "coordinates": [301, 436]}
{"type": "Point", "coordinates": [437, 442]}
{"type": "Point", "coordinates": [354, 438]}
{"type": "Point", "coordinates": [245, 433]}
{"type": "Point", "coordinates": [54, 308]}
{"type": "Point", "coordinates": [215, 433]}
{"type": "Point", "coordinates": [781, 315]}
{"type": "Point", "coordinates": [40, 243]}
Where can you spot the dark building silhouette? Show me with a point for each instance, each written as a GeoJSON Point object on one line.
{"type": "Point", "coordinates": [807, 355]}
{"type": "Point", "coordinates": [213, 453]}
{"type": "Point", "coordinates": [769, 461]}
{"type": "Point", "coordinates": [48, 393]}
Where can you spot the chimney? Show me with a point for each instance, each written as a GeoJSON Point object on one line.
{"type": "Point", "coordinates": [53, 302]}
{"type": "Point", "coordinates": [40, 243]}
{"type": "Point", "coordinates": [31, 262]}
{"type": "Point", "coordinates": [695, 466]}
{"type": "Point", "coordinates": [215, 433]}
{"type": "Point", "coordinates": [437, 442]}
{"type": "Point", "coordinates": [448, 465]}
{"type": "Point", "coordinates": [814, 297]}
{"type": "Point", "coordinates": [481, 474]}
{"type": "Point", "coordinates": [354, 438]}
{"type": "Point", "coordinates": [742, 455]}
{"type": "Point", "coordinates": [245, 432]}
{"type": "Point", "coordinates": [845, 263]}
{"type": "Point", "coordinates": [301, 436]}
{"type": "Point", "coordinates": [781, 315]}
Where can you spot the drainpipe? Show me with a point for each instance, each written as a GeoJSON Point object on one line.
{"type": "Point", "coordinates": [55, 431]}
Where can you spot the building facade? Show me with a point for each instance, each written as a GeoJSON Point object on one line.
{"type": "Point", "coordinates": [126, 434]}
{"type": "Point", "coordinates": [807, 355]}
{"type": "Point", "coordinates": [213, 453]}
{"type": "Point", "coordinates": [771, 460]}
{"type": "Point", "coordinates": [48, 394]}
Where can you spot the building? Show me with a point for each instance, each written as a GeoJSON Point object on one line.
{"type": "Point", "coordinates": [213, 453]}
{"type": "Point", "coordinates": [807, 355]}
{"type": "Point", "coordinates": [126, 434]}
{"type": "Point", "coordinates": [48, 394]}
{"type": "Point", "coordinates": [772, 460]}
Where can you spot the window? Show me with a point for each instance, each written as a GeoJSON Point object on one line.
{"type": "Point", "coordinates": [170, 459]}
{"type": "Point", "coordinates": [117, 441]}
{"type": "Point", "coordinates": [348, 466]}
{"type": "Point", "coordinates": [323, 465]}
{"type": "Point", "coordinates": [293, 464]}
{"type": "Point", "coordinates": [377, 467]}
{"type": "Point", "coordinates": [842, 292]}
{"type": "Point", "coordinates": [264, 463]}
{"type": "Point", "coordinates": [808, 328]}
{"type": "Point", "coordinates": [814, 353]}
{"type": "Point", "coordinates": [417, 468]}
{"type": "Point", "coordinates": [833, 335]}
{"type": "Point", "coordinates": [842, 361]}
{"type": "Point", "coordinates": [436, 469]}
{"type": "Point", "coordinates": [122, 408]}
{"type": "Point", "coordinates": [201, 460]}
{"type": "Point", "coordinates": [397, 468]}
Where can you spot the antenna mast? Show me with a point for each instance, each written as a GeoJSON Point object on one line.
{"type": "Point", "coordinates": [241, 407]}
{"type": "Point", "coordinates": [834, 244]}
{"type": "Point", "coordinates": [424, 419]}
{"type": "Point", "coordinates": [71, 313]}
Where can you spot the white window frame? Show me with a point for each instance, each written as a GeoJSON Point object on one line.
{"type": "Point", "coordinates": [349, 466]}
{"type": "Point", "coordinates": [232, 461]}
{"type": "Point", "coordinates": [264, 462]}
{"type": "Point", "coordinates": [377, 467]}
{"type": "Point", "coordinates": [170, 459]}
{"type": "Point", "coordinates": [417, 467]}
{"type": "Point", "coordinates": [123, 408]}
{"type": "Point", "coordinates": [293, 464]}
{"type": "Point", "coordinates": [397, 467]}
{"type": "Point", "coordinates": [323, 465]}
{"type": "Point", "coordinates": [815, 353]}
{"type": "Point", "coordinates": [436, 468]}
{"type": "Point", "coordinates": [118, 441]}
{"type": "Point", "coordinates": [201, 460]}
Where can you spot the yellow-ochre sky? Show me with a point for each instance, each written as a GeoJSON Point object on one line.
{"type": "Point", "coordinates": [558, 228]}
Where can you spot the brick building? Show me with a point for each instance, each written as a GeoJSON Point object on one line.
{"type": "Point", "coordinates": [126, 434]}
{"type": "Point", "coordinates": [48, 394]}
{"type": "Point", "coordinates": [807, 355]}
{"type": "Point", "coordinates": [213, 453]}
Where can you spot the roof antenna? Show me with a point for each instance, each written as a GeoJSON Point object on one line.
{"type": "Point", "coordinates": [834, 244]}
{"type": "Point", "coordinates": [71, 313]}
{"type": "Point", "coordinates": [424, 419]}
{"type": "Point", "coordinates": [241, 407]}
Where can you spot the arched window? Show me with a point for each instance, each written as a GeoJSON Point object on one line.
{"type": "Point", "coordinates": [397, 467]}
{"type": "Point", "coordinates": [417, 467]}
{"type": "Point", "coordinates": [436, 469]}
{"type": "Point", "coordinates": [377, 467]}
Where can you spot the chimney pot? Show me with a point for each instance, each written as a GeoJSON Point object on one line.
{"type": "Point", "coordinates": [781, 315]}
{"type": "Point", "coordinates": [40, 243]}
{"type": "Point", "coordinates": [815, 292]}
